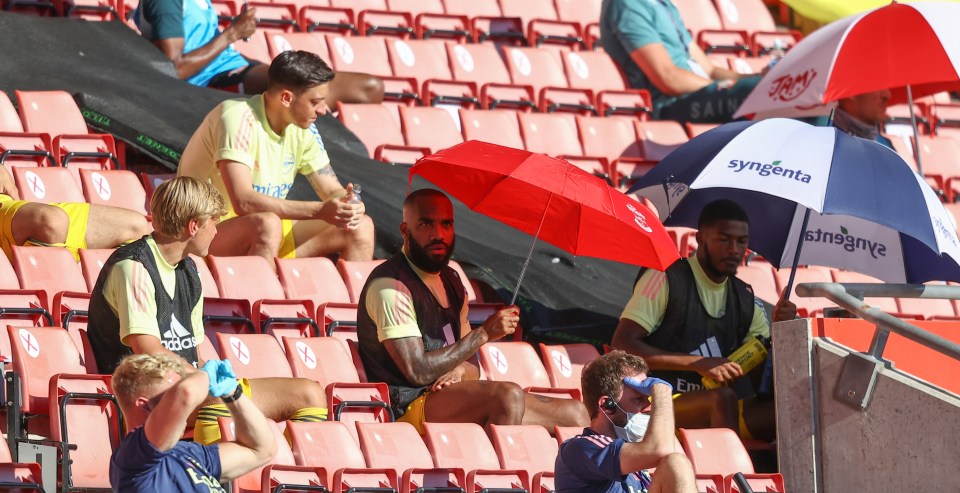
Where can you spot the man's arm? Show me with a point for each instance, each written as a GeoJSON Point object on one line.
{"type": "Point", "coordinates": [630, 337]}
{"type": "Point", "coordinates": [715, 72]}
{"type": "Point", "coordinates": [189, 64]}
{"type": "Point", "coordinates": [328, 188]}
{"type": "Point", "coordinates": [672, 80]}
{"type": "Point", "coordinates": [255, 444]}
{"type": "Point", "coordinates": [658, 442]}
{"type": "Point", "coordinates": [168, 419]}
{"type": "Point", "coordinates": [424, 368]}
{"type": "Point", "coordinates": [238, 180]}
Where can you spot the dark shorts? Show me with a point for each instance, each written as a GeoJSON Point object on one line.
{"type": "Point", "coordinates": [708, 105]}
{"type": "Point", "coordinates": [233, 77]}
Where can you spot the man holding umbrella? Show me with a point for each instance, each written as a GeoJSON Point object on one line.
{"type": "Point", "coordinates": [414, 334]}
{"type": "Point", "coordinates": [685, 322]}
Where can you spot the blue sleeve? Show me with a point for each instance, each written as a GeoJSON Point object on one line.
{"type": "Point", "coordinates": [207, 455]}
{"type": "Point", "coordinates": [593, 457]}
{"type": "Point", "coordinates": [632, 22]}
{"type": "Point", "coordinates": [136, 453]}
{"type": "Point", "coordinates": [165, 16]}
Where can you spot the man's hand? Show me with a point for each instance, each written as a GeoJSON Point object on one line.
{"type": "Point", "coordinates": [244, 26]}
{"type": "Point", "coordinates": [451, 377]}
{"type": "Point", "coordinates": [341, 214]}
{"type": "Point", "coordinates": [784, 310]}
{"type": "Point", "coordinates": [223, 381]}
{"type": "Point", "coordinates": [348, 197]}
{"type": "Point", "coordinates": [719, 369]}
{"type": "Point", "coordinates": [502, 323]}
{"type": "Point", "coordinates": [646, 386]}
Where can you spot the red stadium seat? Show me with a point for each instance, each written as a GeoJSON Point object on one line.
{"type": "Point", "coordinates": [54, 271]}
{"type": "Point", "coordinates": [375, 126]}
{"type": "Point", "coordinates": [719, 452]}
{"type": "Point", "coordinates": [596, 71]}
{"type": "Point", "coordinates": [25, 149]}
{"type": "Point", "coordinates": [578, 10]}
{"type": "Point", "coordinates": [359, 54]}
{"type": "Point", "coordinates": [355, 274]}
{"type": "Point", "coordinates": [550, 133]}
{"type": "Point", "coordinates": [518, 362]}
{"type": "Point", "coordinates": [496, 127]}
{"type": "Point", "coordinates": [543, 70]}
{"type": "Point", "coordinates": [331, 445]}
{"type": "Point", "coordinates": [47, 184]}
{"type": "Point", "coordinates": [255, 47]}
{"type": "Point", "coordinates": [806, 307]}
{"type": "Point", "coordinates": [19, 477]}
{"type": "Point", "coordinates": [695, 129]}
{"type": "Point", "coordinates": [397, 446]}
{"type": "Point", "coordinates": [759, 275]}
{"type": "Point", "coordinates": [613, 138]}
{"type": "Point", "coordinates": [466, 446]}
{"type": "Point", "coordinates": [482, 64]}
{"type": "Point", "coordinates": [50, 112]}
{"type": "Point", "coordinates": [930, 308]}
{"type": "Point", "coordinates": [426, 61]}
{"type": "Point", "coordinates": [433, 128]}
{"type": "Point", "coordinates": [473, 8]}
{"type": "Point", "coordinates": [529, 448]}
{"type": "Point", "coordinates": [660, 138]}
{"type": "Point", "coordinates": [314, 43]}
{"type": "Point", "coordinates": [565, 362]}
{"type": "Point", "coordinates": [254, 355]}
{"type": "Point", "coordinates": [324, 18]}
{"type": "Point", "coordinates": [273, 17]}
{"type": "Point", "coordinates": [564, 433]}
{"type": "Point", "coordinates": [117, 188]}
{"type": "Point", "coordinates": [91, 263]}
{"type": "Point", "coordinates": [314, 278]}
{"type": "Point", "coordinates": [323, 359]}
{"type": "Point", "coordinates": [886, 304]}
{"type": "Point", "coordinates": [416, 6]}
{"type": "Point", "coordinates": [281, 465]}
{"type": "Point", "coordinates": [19, 307]}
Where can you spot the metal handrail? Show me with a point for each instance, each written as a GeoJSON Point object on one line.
{"type": "Point", "coordinates": [840, 293]}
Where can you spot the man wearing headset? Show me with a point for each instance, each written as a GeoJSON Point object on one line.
{"type": "Point", "coordinates": [631, 430]}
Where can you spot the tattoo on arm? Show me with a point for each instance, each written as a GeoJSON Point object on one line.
{"type": "Point", "coordinates": [327, 171]}
{"type": "Point", "coordinates": [423, 368]}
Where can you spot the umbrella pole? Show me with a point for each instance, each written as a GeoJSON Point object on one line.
{"type": "Point", "coordinates": [796, 257]}
{"type": "Point", "coordinates": [916, 138]}
{"type": "Point", "coordinates": [526, 262]}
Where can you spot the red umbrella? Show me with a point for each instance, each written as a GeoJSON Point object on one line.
{"type": "Point", "coordinates": [552, 200]}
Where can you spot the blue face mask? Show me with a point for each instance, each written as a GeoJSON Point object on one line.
{"type": "Point", "coordinates": [635, 428]}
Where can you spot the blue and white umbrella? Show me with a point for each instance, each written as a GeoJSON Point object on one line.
{"type": "Point", "coordinates": [841, 201]}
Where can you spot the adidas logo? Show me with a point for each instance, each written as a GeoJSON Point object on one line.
{"type": "Point", "coordinates": [177, 330]}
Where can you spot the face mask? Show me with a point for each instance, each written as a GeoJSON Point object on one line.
{"type": "Point", "coordinates": [635, 428]}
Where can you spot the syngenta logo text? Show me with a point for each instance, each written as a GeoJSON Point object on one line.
{"type": "Point", "coordinates": [848, 241]}
{"type": "Point", "coordinates": [764, 169]}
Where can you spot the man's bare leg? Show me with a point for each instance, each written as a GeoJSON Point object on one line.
{"type": "Point", "coordinates": [40, 222]}
{"type": "Point", "coordinates": [253, 234]}
{"type": "Point", "coordinates": [279, 398]}
{"type": "Point", "coordinates": [761, 418]}
{"type": "Point", "coordinates": [476, 401]}
{"type": "Point", "coordinates": [316, 238]}
{"type": "Point", "coordinates": [256, 79]}
{"type": "Point", "coordinates": [109, 227]}
{"type": "Point", "coordinates": [549, 412]}
{"type": "Point", "coordinates": [715, 408]}
{"type": "Point", "coordinates": [674, 475]}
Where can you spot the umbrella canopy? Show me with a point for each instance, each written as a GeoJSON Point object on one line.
{"type": "Point", "coordinates": [552, 200]}
{"type": "Point", "coordinates": [869, 212]}
{"type": "Point", "coordinates": [899, 45]}
{"type": "Point", "coordinates": [826, 11]}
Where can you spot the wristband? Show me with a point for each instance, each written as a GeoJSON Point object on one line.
{"type": "Point", "coordinates": [229, 399]}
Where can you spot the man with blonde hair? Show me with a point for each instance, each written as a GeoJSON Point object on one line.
{"type": "Point", "coordinates": [149, 300]}
{"type": "Point", "coordinates": [156, 394]}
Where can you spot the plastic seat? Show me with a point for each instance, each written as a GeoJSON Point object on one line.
{"type": "Point", "coordinates": [252, 278]}
{"type": "Point", "coordinates": [274, 17]}
{"type": "Point", "coordinates": [323, 359]}
{"type": "Point", "coordinates": [91, 263]}
{"type": "Point", "coordinates": [518, 362]}
{"type": "Point", "coordinates": [329, 444]}
{"type": "Point", "coordinates": [553, 134]}
{"type": "Point", "coordinates": [18, 477]}
{"type": "Point", "coordinates": [496, 127]}
{"type": "Point", "coordinates": [53, 270]}
{"type": "Point", "coordinates": [719, 452]}
{"type": "Point", "coordinates": [542, 70]}
{"type": "Point", "coordinates": [596, 71]}
{"type": "Point", "coordinates": [529, 448]}
{"type": "Point", "coordinates": [938, 155]}
{"type": "Point", "coordinates": [374, 126]}
{"type": "Point", "coordinates": [466, 446]}
{"type": "Point", "coordinates": [426, 62]}
{"type": "Point", "coordinates": [50, 112]}
{"type": "Point", "coordinates": [433, 128]}
{"type": "Point", "coordinates": [151, 181]}
{"type": "Point", "coordinates": [355, 274]}
{"type": "Point", "coordinates": [232, 316]}
{"type": "Point", "coordinates": [47, 185]}
{"type": "Point", "coordinates": [759, 275]}
{"type": "Point", "coordinates": [695, 129]}
{"type": "Point", "coordinates": [930, 308]}
{"type": "Point", "coordinates": [315, 278]}
{"type": "Point", "coordinates": [254, 355]}
{"type": "Point", "coordinates": [699, 15]}
{"type": "Point", "coordinates": [314, 43]}
{"type": "Point", "coordinates": [117, 188]}
{"type": "Point", "coordinates": [745, 15]}
{"type": "Point", "coordinates": [659, 138]}
{"type": "Point", "coordinates": [359, 54]}
{"type": "Point", "coordinates": [88, 151]}
{"type": "Point", "coordinates": [19, 307]}
{"type": "Point", "coordinates": [565, 362]}
{"type": "Point", "coordinates": [25, 149]}
{"type": "Point", "coordinates": [254, 47]}
{"type": "Point", "coordinates": [613, 138]}
{"type": "Point", "coordinates": [564, 433]}
{"type": "Point", "coordinates": [806, 307]}
{"type": "Point", "coordinates": [364, 402]}
{"type": "Point", "coordinates": [398, 446]}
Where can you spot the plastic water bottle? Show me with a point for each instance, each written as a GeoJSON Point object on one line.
{"type": "Point", "coordinates": [748, 356]}
{"type": "Point", "coordinates": [356, 195]}
{"type": "Point", "coordinates": [777, 52]}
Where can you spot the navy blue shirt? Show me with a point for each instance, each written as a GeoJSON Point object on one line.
{"type": "Point", "coordinates": [137, 466]}
{"type": "Point", "coordinates": [590, 463]}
